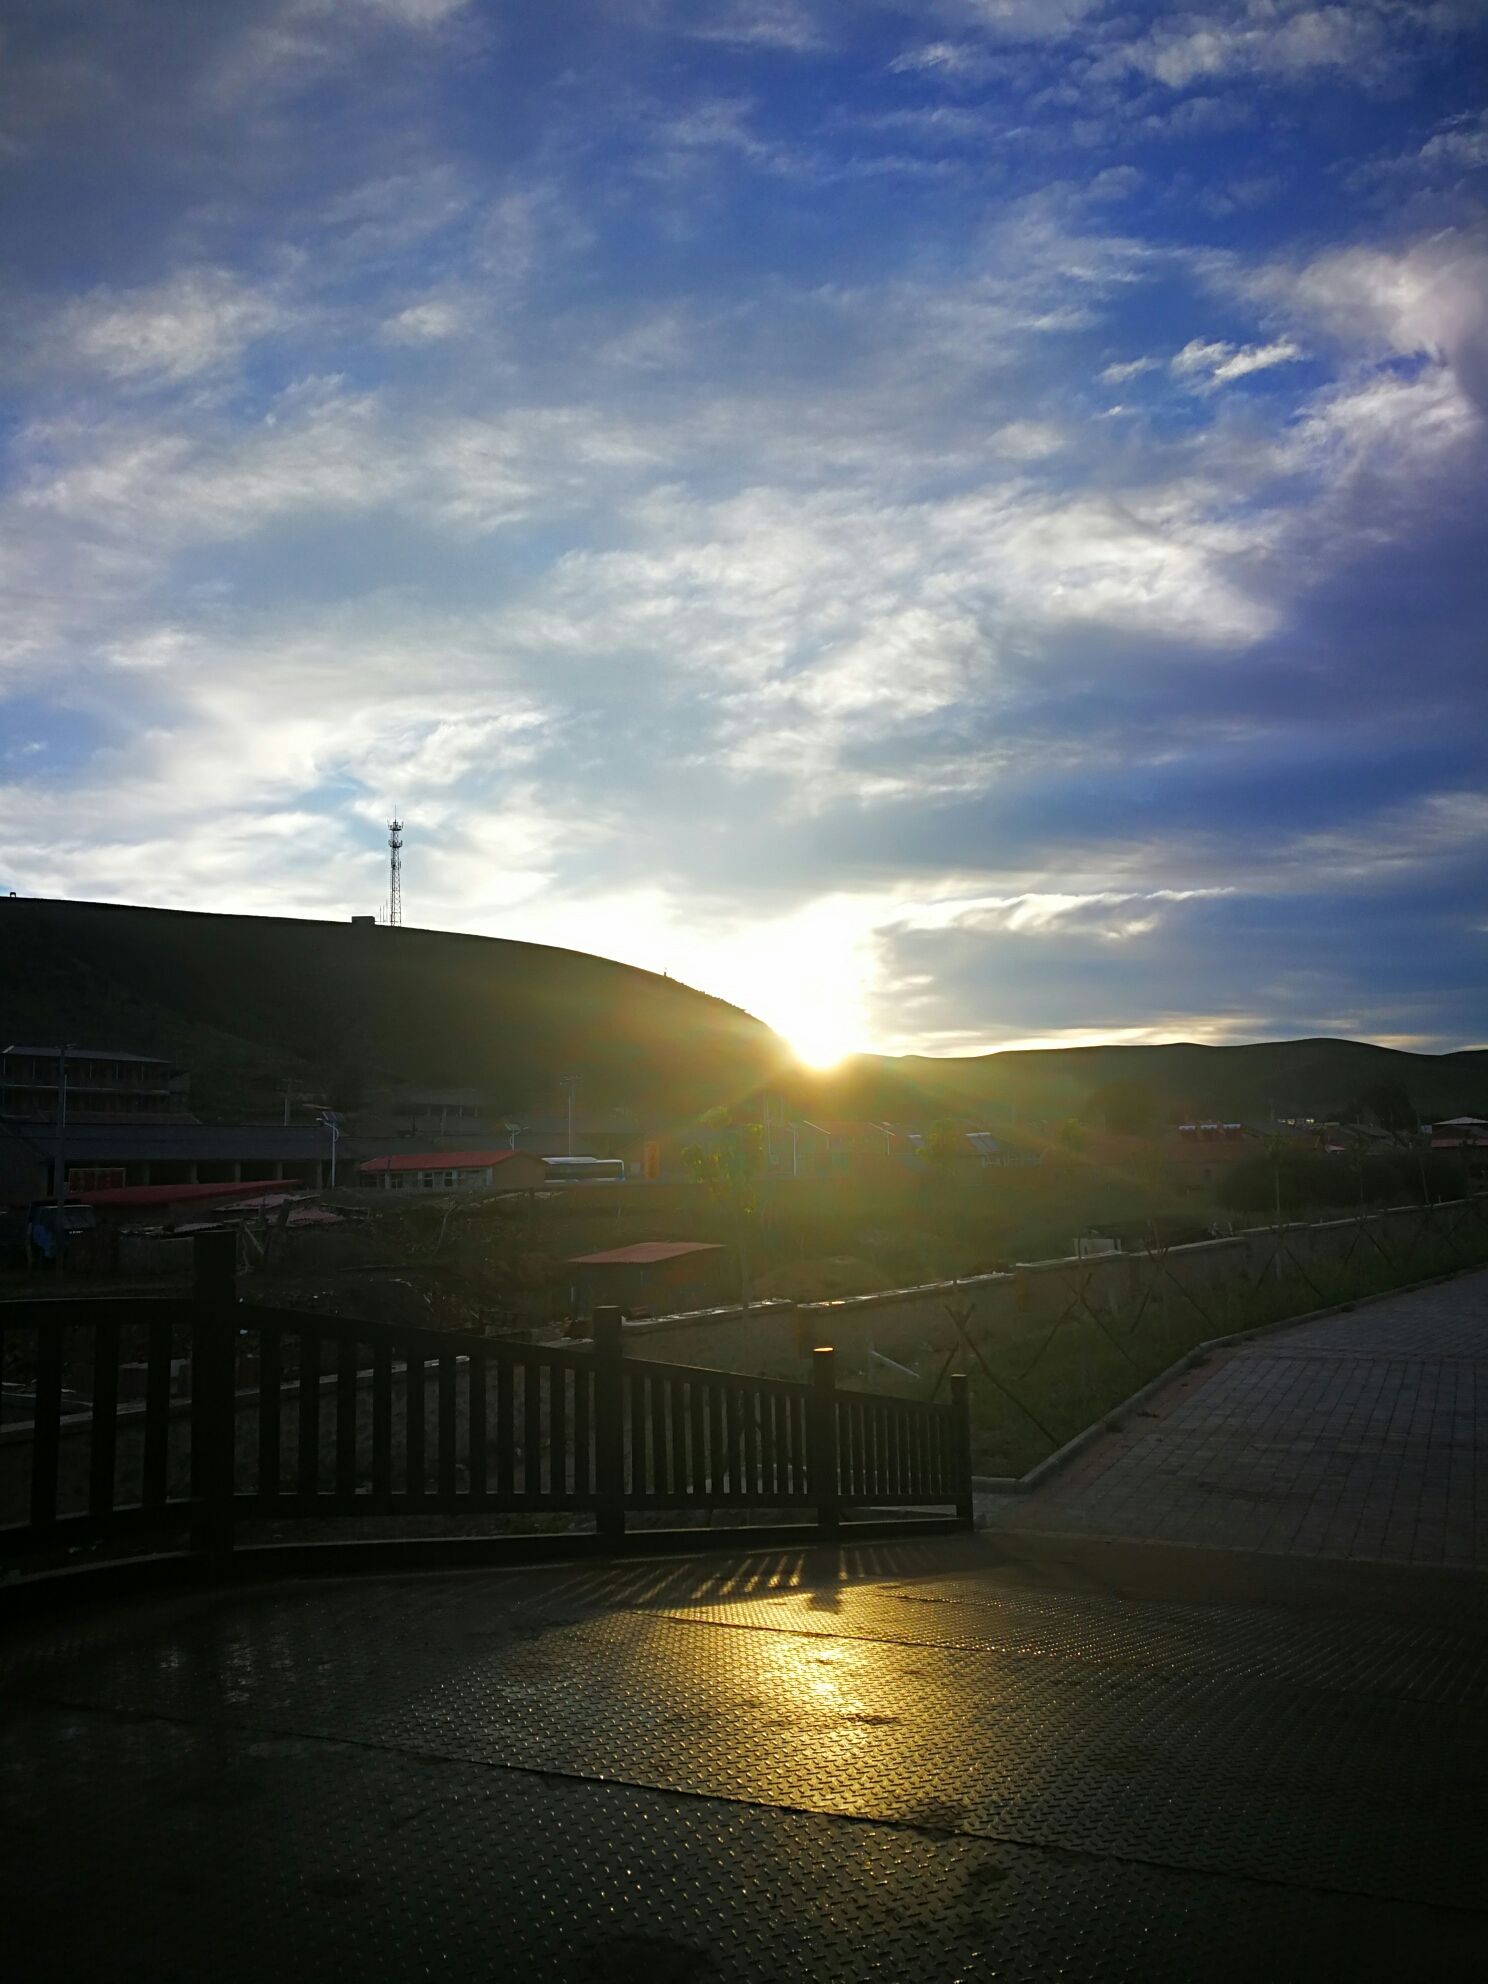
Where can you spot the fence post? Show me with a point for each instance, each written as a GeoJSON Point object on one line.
{"type": "Point", "coordinates": [821, 1441]}
{"type": "Point", "coordinates": [214, 1370]}
{"type": "Point", "coordinates": [961, 1410]}
{"type": "Point", "coordinates": [609, 1422]}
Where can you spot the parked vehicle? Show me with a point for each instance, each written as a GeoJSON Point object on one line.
{"type": "Point", "coordinates": [41, 1232]}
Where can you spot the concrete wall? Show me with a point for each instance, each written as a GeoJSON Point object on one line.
{"type": "Point", "coordinates": [910, 1325]}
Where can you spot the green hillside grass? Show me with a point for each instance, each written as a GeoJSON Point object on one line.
{"type": "Point", "coordinates": [1307, 1077]}
{"type": "Point", "coordinates": [248, 1003]}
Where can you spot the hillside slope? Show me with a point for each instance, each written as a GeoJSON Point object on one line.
{"type": "Point", "coordinates": [248, 1003]}
{"type": "Point", "coordinates": [1308, 1077]}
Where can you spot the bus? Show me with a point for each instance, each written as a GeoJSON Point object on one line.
{"type": "Point", "coordinates": [584, 1170]}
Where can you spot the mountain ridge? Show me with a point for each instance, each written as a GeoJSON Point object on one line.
{"type": "Point", "coordinates": [250, 1004]}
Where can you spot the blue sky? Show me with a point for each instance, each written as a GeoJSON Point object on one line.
{"type": "Point", "coordinates": [951, 524]}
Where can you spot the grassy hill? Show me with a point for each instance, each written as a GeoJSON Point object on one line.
{"type": "Point", "coordinates": [248, 1003]}
{"type": "Point", "coordinates": [1306, 1077]}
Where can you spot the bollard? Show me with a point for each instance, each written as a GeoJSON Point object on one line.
{"type": "Point", "coordinates": [961, 1408]}
{"type": "Point", "coordinates": [821, 1450]}
{"type": "Point", "coordinates": [214, 1297]}
{"type": "Point", "coordinates": [609, 1422]}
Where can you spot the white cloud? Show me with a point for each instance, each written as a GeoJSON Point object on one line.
{"type": "Point", "coordinates": [424, 323]}
{"type": "Point", "coordinates": [1461, 146]}
{"type": "Point", "coordinates": [1278, 39]}
{"type": "Point", "coordinates": [1106, 915]}
{"type": "Point", "coordinates": [1213, 362]}
{"type": "Point", "coordinates": [782, 24]}
{"type": "Point", "coordinates": [415, 13]}
{"type": "Point", "coordinates": [1428, 298]}
{"type": "Point", "coordinates": [193, 322]}
{"type": "Point", "coordinates": [1028, 440]}
{"type": "Point", "coordinates": [1128, 368]}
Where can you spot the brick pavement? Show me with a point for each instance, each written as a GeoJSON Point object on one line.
{"type": "Point", "coordinates": [1361, 1436]}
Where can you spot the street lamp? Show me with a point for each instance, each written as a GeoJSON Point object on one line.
{"type": "Point", "coordinates": [329, 1120]}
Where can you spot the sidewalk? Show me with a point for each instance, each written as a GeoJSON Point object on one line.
{"type": "Point", "coordinates": [1362, 1436]}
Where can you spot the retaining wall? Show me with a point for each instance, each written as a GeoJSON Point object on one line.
{"type": "Point", "coordinates": [909, 1326]}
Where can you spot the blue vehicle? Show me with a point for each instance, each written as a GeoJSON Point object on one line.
{"type": "Point", "coordinates": [41, 1228]}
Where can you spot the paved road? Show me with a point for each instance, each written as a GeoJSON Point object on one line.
{"type": "Point", "coordinates": [978, 1758]}
{"type": "Point", "coordinates": [1018, 1755]}
{"type": "Point", "coordinates": [1362, 1436]}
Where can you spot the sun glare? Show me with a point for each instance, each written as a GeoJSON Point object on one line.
{"type": "Point", "coordinates": [816, 1046]}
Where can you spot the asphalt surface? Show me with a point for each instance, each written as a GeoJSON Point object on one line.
{"type": "Point", "coordinates": [1213, 1704]}
{"type": "Point", "coordinates": [1012, 1758]}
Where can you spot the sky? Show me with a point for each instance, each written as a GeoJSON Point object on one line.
{"type": "Point", "coordinates": [951, 524]}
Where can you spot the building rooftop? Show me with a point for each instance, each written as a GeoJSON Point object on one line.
{"type": "Point", "coordinates": [832, 1127]}
{"type": "Point", "coordinates": [644, 1253]}
{"type": "Point", "coordinates": [166, 1195]}
{"type": "Point", "coordinates": [49, 1053]}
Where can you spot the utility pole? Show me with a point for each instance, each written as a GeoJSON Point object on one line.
{"type": "Point", "coordinates": [570, 1083]}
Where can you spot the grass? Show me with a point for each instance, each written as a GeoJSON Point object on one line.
{"type": "Point", "coordinates": [1044, 1385]}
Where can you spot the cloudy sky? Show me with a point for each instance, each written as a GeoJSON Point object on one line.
{"type": "Point", "coordinates": [948, 522]}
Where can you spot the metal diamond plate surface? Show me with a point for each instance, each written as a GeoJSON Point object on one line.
{"type": "Point", "coordinates": [756, 1772]}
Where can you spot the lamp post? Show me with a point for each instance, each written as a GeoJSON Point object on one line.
{"type": "Point", "coordinates": [329, 1120]}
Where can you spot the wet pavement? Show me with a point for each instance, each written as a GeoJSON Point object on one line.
{"type": "Point", "coordinates": [1002, 1756]}
{"type": "Point", "coordinates": [1361, 1436]}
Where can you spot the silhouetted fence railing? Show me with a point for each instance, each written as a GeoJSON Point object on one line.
{"type": "Point", "coordinates": [200, 1413]}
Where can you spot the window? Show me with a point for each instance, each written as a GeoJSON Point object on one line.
{"type": "Point", "coordinates": [94, 1178]}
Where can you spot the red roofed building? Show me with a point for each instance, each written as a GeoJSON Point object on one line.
{"type": "Point", "coordinates": [455, 1171]}
{"type": "Point", "coordinates": [127, 1203]}
{"type": "Point", "coordinates": [651, 1277]}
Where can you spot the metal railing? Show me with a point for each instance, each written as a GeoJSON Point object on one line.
{"type": "Point", "coordinates": [200, 1413]}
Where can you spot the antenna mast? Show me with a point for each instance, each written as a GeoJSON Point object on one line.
{"type": "Point", "coordinates": [395, 873]}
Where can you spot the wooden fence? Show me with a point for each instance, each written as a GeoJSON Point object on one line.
{"type": "Point", "coordinates": [200, 1413]}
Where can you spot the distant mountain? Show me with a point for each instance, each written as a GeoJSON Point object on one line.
{"type": "Point", "coordinates": [1285, 1077]}
{"type": "Point", "coordinates": [250, 1003]}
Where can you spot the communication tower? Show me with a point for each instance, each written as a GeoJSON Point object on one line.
{"type": "Point", "coordinates": [395, 873]}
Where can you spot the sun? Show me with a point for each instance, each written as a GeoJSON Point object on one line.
{"type": "Point", "coordinates": [821, 1023]}
{"type": "Point", "coordinates": [810, 977]}
{"type": "Point", "coordinates": [818, 1047]}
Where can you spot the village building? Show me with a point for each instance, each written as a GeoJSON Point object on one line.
{"type": "Point", "coordinates": [104, 1084]}
{"type": "Point", "coordinates": [455, 1171]}
{"type": "Point", "coordinates": [651, 1277]}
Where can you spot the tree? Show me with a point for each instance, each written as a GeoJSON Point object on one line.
{"type": "Point", "coordinates": [1387, 1106]}
{"type": "Point", "coordinates": [1070, 1136]}
{"type": "Point", "coordinates": [731, 1166]}
{"type": "Point", "coordinates": [1125, 1107]}
{"type": "Point", "coordinates": [944, 1143]}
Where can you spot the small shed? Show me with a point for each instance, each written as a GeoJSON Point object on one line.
{"type": "Point", "coordinates": [651, 1277]}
